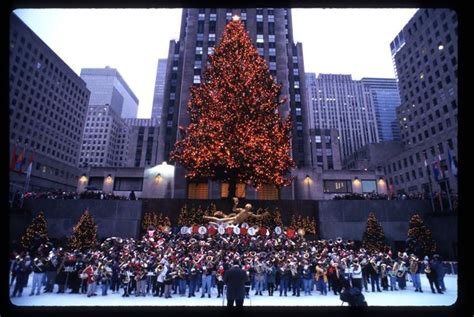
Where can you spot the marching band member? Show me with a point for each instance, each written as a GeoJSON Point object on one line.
{"type": "Point", "coordinates": [206, 281]}
{"type": "Point", "coordinates": [295, 271]}
{"type": "Point", "coordinates": [356, 274]}
{"type": "Point", "coordinates": [90, 270]}
{"type": "Point", "coordinates": [38, 275]}
{"type": "Point", "coordinates": [220, 281]}
{"type": "Point", "coordinates": [259, 277]}
{"type": "Point", "coordinates": [392, 269]}
{"type": "Point", "coordinates": [271, 272]}
{"type": "Point", "coordinates": [374, 271]}
{"type": "Point", "coordinates": [415, 273]}
{"type": "Point", "coordinates": [401, 271]}
{"type": "Point", "coordinates": [321, 278]}
{"type": "Point", "coordinates": [307, 278]}
{"type": "Point", "coordinates": [284, 278]}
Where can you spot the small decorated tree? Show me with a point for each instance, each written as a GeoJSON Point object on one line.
{"type": "Point", "coordinates": [84, 233]}
{"type": "Point", "coordinates": [36, 233]}
{"type": "Point", "coordinates": [184, 217]}
{"type": "Point", "coordinates": [419, 239]}
{"type": "Point", "coordinates": [276, 217]}
{"type": "Point", "coordinates": [374, 239]}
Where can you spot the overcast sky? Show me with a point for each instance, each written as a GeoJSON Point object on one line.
{"type": "Point", "coordinates": [338, 41]}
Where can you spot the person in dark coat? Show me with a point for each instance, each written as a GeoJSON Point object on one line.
{"type": "Point", "coordinates": [132, 195]}
{"type": "Point", "coordinates": [21, 271]}
{"type": "Point", "coordinates": [235, 279]}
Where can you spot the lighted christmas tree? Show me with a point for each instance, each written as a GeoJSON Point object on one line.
{"type": "Point", "coordinates": [419, 239]}
{"type": "Point", "coordinates": [36, 233]}
{"type": "Point", "coordinates": [84, 233]}
{"type": "Point", "coordinates": [184, 217]}
{"type": "Point", "coordinates": [276, 217]}
{"type": "Point", "coordinates": [373, 239]}
{"type": "Point", "coordinates": [236, 133]}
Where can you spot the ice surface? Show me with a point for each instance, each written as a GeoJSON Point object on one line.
{"type": "Point", "coordinates": [407, 297]}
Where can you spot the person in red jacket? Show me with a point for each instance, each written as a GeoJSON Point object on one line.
{"type": "Point", "coordinates": [90, 270]}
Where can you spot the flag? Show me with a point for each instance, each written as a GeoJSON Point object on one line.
{"type": "Point", "coordinates": [436, 171]}
{"type": "Point", "coordinates": [13, 161]}
{"type": "Point", "coordinates": [452, 164]}
{"type": "Point", "coordinates": [30, 165]}
{"type": "Point", "coordinates": [20, 160]}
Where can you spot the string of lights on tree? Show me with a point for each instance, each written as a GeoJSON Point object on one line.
{"type": "Point", "coordinates": [84, 233]}
{"type": "Point", "coordinates": [373, 239]}
{"type": "Point", "coordinates": [194, 216]}
{"type": "Point", "coordinates": [306, 223]}
{"type": "Point", "coordinates": [419, 239]}
{"type": "Point", "coordinates": [36, 233]}
{"type": "Point", "coordinates": [236, 132]}
{"type": "Point", "coordinates": [156, 220]}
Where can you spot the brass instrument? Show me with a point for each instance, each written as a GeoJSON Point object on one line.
{"type": "Point", "coordinates": [253, 253]}
{"type": "Point", "coordinates": [293, 269]}
{"type": "Point", "coordinates": [401, 270]}
{"type": "Point", "coordinates": [306, 255]}
{"type": "Point", "coordinates": [374, 266]}
{"type": "Point", "coordinates": [427, 269]}
{"type": "Point", "coordinates": [192, 241]}
{"type": "Point", "coordinates": [159, 268]}
{"type": "Point", "coordinates": [330, 243]}
{"type": "Point", "coordinates": [339, 240]}
{"type": "Point", "coordinates": [209, 258]}
{"type": "Point", "coordinates": [383, 270]}
{"type": "Point", "coordinates": [413, 266]}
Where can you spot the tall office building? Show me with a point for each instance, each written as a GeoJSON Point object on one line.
{"type": "Point", "coordinates": [106, 140]}
{"type": "Point", "coordinates": [325, 149]}
{"type": "Point", "coordinates": [339, 102]}
{"type": "Point", "coordinates": [385, 98]}
{"type": "Point", "coordinates": [107, 87]}
{"type": "Point", "coordinates": [47, 109]}
{"type": "Point", "coordinates": [271, 32]}
{"type": "Point", "coordinates": [425, 55]}
{"type": "Point", "coordinates": [143, 145]}
{"type": "Point", "coordinates": [159, 90]}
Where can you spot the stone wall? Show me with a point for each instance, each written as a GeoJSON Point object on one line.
{"type": "Point", "coordinates": [336, 218]}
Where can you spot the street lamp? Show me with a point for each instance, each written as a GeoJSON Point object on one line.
{"type": "Point", "coordinates": [158, 177]}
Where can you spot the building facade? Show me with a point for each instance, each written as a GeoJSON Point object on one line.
{"type": "Point", "coordinates": [271, 32]}
{"type": "Point", "coordinates": [373, 156]}
{"type": "Point", "coordinates": [325, 149]}
{"type": "Point", "coordinates": [158, 96]}
{"type": "Point", "coordinates": [341, 103]}
{"type": "Point", "coordinates": [143, 147]}
{"type": "Point", "coordinates": [108, 87]}
{"type": "Point", "coordinates": [425, 55]}
{"type": "Point", "coordinates": [47, 110]}
{"type": "Point", "coordinates": [385, 98]}
{"type": "Point", "coordinates": [106, 139]}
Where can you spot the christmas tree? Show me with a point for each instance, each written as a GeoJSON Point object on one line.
{"type": "Point", "coordinates": [373, 239]}
{"type": "Point", "coordinates": [276, 218]}
{"type": "Point", "coordinates": [36, 233]}
{"type": "Point", "coordinates": [236, 133]}
{"type": "Point", "coordinates": [84, 233]}
{"type": "Point", "coordinates": [419, 239]}
{"type": "Point", "coordinates": [184, 217]}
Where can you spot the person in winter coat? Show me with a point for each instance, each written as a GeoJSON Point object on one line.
{"type": "Point", "coordinates": [38, 275]}
{"type": "Point", "coordinates": [432, 276]}
{"type": "Point", "coordinates": [271, 279]}
{"type": "Point", "coordinates": [21, 273]}
{"type": "Point", "coordinates": [220, 281]}
{"type": "Point", "coordinates": [307, 279]}
{"type": "Point", "coordinates": [235, 279]}
{"type": "Point", "coordinates": [356, 274]}
{"type": "Point", "coordinates": [321, 278]}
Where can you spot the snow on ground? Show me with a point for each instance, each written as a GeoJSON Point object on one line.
{"type": "Point", "coordinates": [408, 297]}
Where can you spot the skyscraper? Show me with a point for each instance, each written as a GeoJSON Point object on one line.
{"type": "Point", "coordinates": [339, 102]}
{"type": "Point", "coordinates": [425, 55]}
{"type": "Point", "coordinates": [159, 90]}
{"type": "Point", "coordinates": [385, 98]}
{"type": "Point", "coordinates": [106, 138]}
{"type": "Point", "coordinates": [271, 32]}
{"type": "Point", "coordinates": [143, 142]}
{"type": "Point", "coordinates": [47, 107]}
{"type": "Point", "coordinates": [107, 87]}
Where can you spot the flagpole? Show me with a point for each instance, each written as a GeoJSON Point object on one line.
{"type": "Point", "coordinates": [430, 186]}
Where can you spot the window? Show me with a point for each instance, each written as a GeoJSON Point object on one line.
{"type": "Point", "coordinates": [369, 186]}
{"type": "Point", "coordinates": [268, 192]}
{"type": "Point", "coordinates": [259, 38]}
{"type": "Point", "coordinates": [337, 186]}
{"type": "Point", "coordinates": [239, 190]}
{"type": "Point", "coordinates": [198, 191]}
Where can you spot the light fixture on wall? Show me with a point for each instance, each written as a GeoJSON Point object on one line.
{"type": "Point", "coordinates": [83, 178]}
{"type": "Point", "coordinates": [356, 179]}
{"type": "Point", "coordinates": [158, 178]}
{"type": "Point", "coordinates": [307, 179]}
{"type": "Point", "coordinates": [108, 179]}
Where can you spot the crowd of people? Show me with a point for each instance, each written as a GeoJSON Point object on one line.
{"type": "Point", "coordinates": [60, 194]}
{"type": "Point", "coordinates": [165, 264]}
{"type": "Point", "coordinates": [379, 196]}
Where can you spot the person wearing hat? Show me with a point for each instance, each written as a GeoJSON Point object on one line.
{"type": "Point", "coordinates": [284, 278]}
{"type": "Point", "coordinates": [415, 268]}
{"type": "Point", "coordinates": [220, 281]}
{"type": "Point", "coordinates": [321, 278]}
{"type": "Point", "coordinates": [206, 281]}
{"type": "Point", "coordinates": [356, 274]}
{"type": "Point", "coordinates": [271, 277]}
{"type": "Point", "coordinates": [193, 279]}
{"type": "Point", "coordinates": [235, 279]}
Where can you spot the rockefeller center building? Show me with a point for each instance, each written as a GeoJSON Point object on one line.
{"type": "Point", "coordinates": [271, 32]}
{"type": "Point", "coordinates": [47, 110]}
{"type": "Point", "coordinates": [426, 60]}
